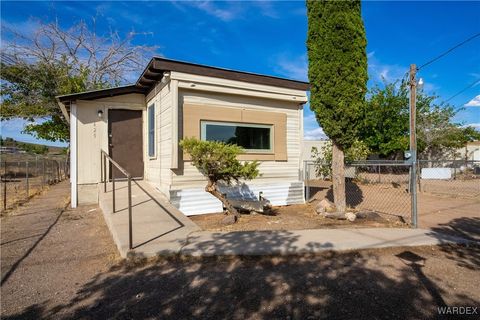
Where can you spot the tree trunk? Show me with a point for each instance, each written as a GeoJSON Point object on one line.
{"type": "Point", "coordinates": [338, 178]}
{"type": "Point", "coordinates": [212, 189]}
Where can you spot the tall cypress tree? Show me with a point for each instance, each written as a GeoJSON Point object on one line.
{"type": "Point", "coordinates": [337, 70]}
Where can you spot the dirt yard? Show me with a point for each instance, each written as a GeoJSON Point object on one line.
{"type": "Point", "coordinates": [292, 217]}
{"type": "Point", "coordinates": [388, 204]}
{"type": "Point", "coordinates": [49, 252]}
{"type": "Point", "coordinates": [400, 283]}
{"type": "Point", "coordinates": [393, 198]}
{"type": "Point", "coordinates": [62, 264]}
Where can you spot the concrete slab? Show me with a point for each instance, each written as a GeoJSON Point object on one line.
{"type": "Point", "coordinates": [309, 241]}
{"type": "Point", "coordinates": [157, 226]}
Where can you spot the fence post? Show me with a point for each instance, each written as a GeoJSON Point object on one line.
{"type": "Point", "coordinates": [419, 175]}
{"type": "Point", "coordinates": [43, 173]}
{"type": "Point", "coordinates": [5, 187]}
{"type": "Point", "coordinates": [36, 166]}
{"type": "Point", "coordinates": [379, 175]}
{"type": "Point", "coordinates": [26, 174]}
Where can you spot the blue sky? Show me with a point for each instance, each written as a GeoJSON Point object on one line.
{"type": "Point", "coordinates": [269, 38]}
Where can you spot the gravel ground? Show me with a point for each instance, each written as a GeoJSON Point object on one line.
{"type": "Point", "coordinates": [68, 269]}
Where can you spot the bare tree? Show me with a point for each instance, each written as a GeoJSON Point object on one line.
{"type": "Point", "coordinates": [109, 59]}
{"type": "Point", "coordinates": [53, 61]}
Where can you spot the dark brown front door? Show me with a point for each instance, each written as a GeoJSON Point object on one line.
{"type": "Point", "coordinates": [125, 141]}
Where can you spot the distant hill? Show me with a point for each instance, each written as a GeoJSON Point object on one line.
{"type": "Point", "coordinates": [32, 148]}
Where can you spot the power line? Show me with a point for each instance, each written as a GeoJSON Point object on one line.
{"type": "Point", "coordinates": [448, 51]}
{"type": "Point", "coordinates": [464, 89]}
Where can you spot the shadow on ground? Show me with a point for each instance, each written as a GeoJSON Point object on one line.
{"type": "Point", "coordinates": [467, 228]}
{"type": "Point", "coordinates": [353, 285]}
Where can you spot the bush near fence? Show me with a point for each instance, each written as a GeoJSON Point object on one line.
{"type": "Point", "coordinates": [24, 176]}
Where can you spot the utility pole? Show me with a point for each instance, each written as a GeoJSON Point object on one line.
{"type": "Point", "coordinates": [413, 143]}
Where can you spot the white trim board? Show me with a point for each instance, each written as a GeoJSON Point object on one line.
{"type": "Point", "coordinates": [73, 155]}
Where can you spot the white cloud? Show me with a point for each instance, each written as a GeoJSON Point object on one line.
{"type": "Point", "coordinates": [314, 134]}
{"type": "Point", "coordinates": [476, 126]}
{"type": "Point", "coordinates": [213, 10]}
{"type": "Point", "coordinates": [266, 8]}
{"type": "Point", "coordinates": [475, 102]}
{"type": "Point", "coordinates": [230, 12]}
{"type": "Point", "coordinates": [430, 87]}
{"type": "Point", "coordinates": [378, 71]}
{"type": "Point", "coordinates": [296, 68]}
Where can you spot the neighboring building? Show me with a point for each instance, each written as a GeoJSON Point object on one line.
{"type": "Point", "coordinates": [307, 154]}
{"type": "Point", "coordinates": [140, 126]}
{"type": "Point", "coordinates": [9, 150]}
{"type": "Point", "coordinates": [470, 152]}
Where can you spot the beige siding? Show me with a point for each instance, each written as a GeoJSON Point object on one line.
{"type": "Point", "coordinates": [272, 171]}
{"type": "Point", "coordinates": [158, 171]}
{"type": "Point", "coordinates": [92, 132]}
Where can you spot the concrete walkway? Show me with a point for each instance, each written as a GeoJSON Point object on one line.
{"type": "Point", "coordinates": [158, 227]}
{"type": "Point", "coordinates": [161, 229]}
{"type": "Point", "coordinates": [309, 241]}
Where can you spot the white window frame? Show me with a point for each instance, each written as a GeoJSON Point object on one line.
{"type": "Point", "coordinates": [154, 132]}
{"type": "Point", "coordinates": [204, 123]}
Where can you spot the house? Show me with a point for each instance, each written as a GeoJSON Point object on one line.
{"type": "Point", "coordinates": [141, 125]}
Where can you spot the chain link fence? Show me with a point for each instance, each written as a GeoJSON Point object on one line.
{"type": "Point", "coordinates": [456, 178]}
{"type": "Point", "coordinates": [384, 186]}
{"type": "Point", "coordinates": [371, 186]}
{"type": "Point", "coordinates": [23, 177]}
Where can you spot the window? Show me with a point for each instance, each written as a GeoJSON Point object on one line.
{"type": "Point", "coordinates": [251, 137]}
{"type": "Point", "coordinates": [151, 131]}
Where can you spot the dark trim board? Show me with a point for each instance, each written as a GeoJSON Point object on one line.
{"type": "Point", "coordinates": [160, 65]}
{"type": "Point", "coordinates": [104, 93]}
{"type": "Point", "coordinates": [157, 67]}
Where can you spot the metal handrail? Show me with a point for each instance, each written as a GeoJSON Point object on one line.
{"type": "Point", "coordinates": [103, 177]}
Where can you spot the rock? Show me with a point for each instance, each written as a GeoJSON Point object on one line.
{"type": "Point", "coordinates": [350, 216]}
{"type": "Point", "coordinates": [334, 215]}
{"type": "Point", "coordinates": [229, 219]}
{"type": "Point", "coordinates": [324, 206]}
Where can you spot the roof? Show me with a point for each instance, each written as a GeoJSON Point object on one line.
{"type": "Point", "coordinates": [103, 93]}
{"type": "Point", "coordinates": [158, 66]}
